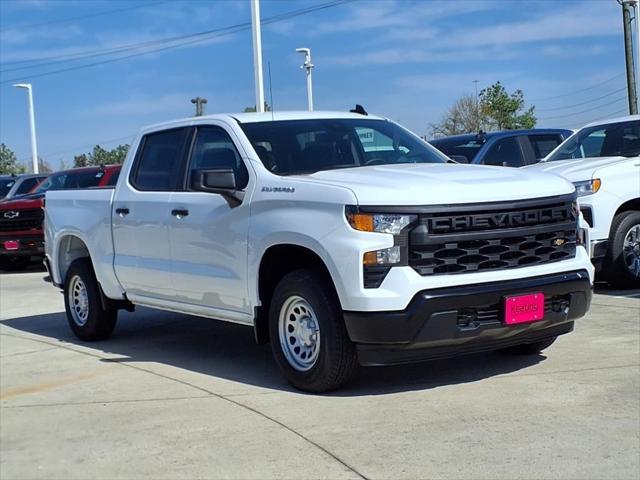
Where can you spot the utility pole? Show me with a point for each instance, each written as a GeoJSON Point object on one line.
{"type": "Point", "coordinates": [257, 54]}
{"type": "Point", "coordinates": [32, 124]}
{"type": "Point", "coordinates": [199, 103]}
{"type": "Point", "coordinates": [627, 7]}
{"type": "Point", "coordinates": [307, 65]}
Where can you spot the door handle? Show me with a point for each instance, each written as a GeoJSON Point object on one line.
{"type": "Point", "coordinates": [180, 212]}
{"type": "Point", "coordinates": [122, 211]}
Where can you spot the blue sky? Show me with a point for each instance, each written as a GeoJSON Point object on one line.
{"type": "Point", "coordinates": [407, 60]}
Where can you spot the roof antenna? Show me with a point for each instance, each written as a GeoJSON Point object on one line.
{"type": "Point", "coordinates": [359, 110]}
{"type": "Point", "coordinates": [270, 89]}
{"type": "Point", "coordinates": [199, 103]}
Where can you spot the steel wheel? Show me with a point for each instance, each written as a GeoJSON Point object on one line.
{"type": "Point", "coordinates": [78, 301]}
{"type": "Point", "coordinates": [299, 333]}
{"type": "Point", "coordinates": [631, 250]}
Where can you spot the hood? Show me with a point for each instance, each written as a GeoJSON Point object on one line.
{"type": "Point", "coordinates": [21, 203]}
{"type": "Point", "coordinates": [435, 184]}
{"type": "Point", "coordinates": [578, 169]}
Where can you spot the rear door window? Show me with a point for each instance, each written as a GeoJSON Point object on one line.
{"type": "Point", "coordinates": [505, 152]}
{"type": "Point", "coordinates": [160, 160]}
{"type": "Point", "coordinates": [544, 144]}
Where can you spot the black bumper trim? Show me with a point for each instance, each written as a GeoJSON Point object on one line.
{"type": "Point", "coordinates": [431, 321]}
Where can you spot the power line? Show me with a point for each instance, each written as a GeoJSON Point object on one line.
{"type": "Point", "coordinates": [581, 90]}
{"type": "Point", "coordinates": [581, 103]}
{"type": "Point", "coordinates": [197, 37]}
{"type": "Point", "coordinates": [81, 17]}
{"type": "Point", "coordinates": [585, 111]}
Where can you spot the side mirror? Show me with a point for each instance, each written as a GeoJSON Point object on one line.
{"type": "Point", "coordinates": [459, 158]}
{"type": "Point", "coordinates": [221, 181]}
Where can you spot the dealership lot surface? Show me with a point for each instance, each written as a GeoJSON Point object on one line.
{"type": "Point", "coordinates": [175, 396]}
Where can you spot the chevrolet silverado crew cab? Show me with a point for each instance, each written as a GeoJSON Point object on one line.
{"type": "Point", "coordinates": [602, 160]}
{"type": "Point", "coordinates": [342, 239]}
{"type": "Point", "coordinates": [21, 235]}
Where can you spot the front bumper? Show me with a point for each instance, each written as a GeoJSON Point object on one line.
{"type": "Point", "coordinates": [32, 245]}
{"type": "Point", "coordinates": [466, 319]}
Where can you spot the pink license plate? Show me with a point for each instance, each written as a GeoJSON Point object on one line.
{"type": "Point", "coordinates": [12, 245]}
{"type": "Point", "coordinates": [524, 308]}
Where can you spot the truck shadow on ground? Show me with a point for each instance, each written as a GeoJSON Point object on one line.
{"type": "Point", "coordinates": [603, 288]}
{"type": "Point", "coordinates": [228, 351]}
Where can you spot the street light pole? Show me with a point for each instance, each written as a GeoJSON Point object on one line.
{"type": "Point", "coordinates": [307, 65]}
{"type": "Point", "coordinates": [257, 54]}
{"type": "Point", "coordinates": [627, 5]}
{"type": "Point", "coordinates": [32, 125]}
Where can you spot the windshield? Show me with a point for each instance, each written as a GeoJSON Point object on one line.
{"type": "Point", "coordinates": [610, 140]}
{"type": "Point", "coordinates": [467, 147]}
{"type": "Point", "coordinates": [5, 186]}
{"type": "Point", "coordinates": [307, 146]}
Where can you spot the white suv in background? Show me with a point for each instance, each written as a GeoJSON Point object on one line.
{"type": "Point", "coordinates": [601, 159]}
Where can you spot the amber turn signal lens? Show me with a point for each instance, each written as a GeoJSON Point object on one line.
{"type": "Point", "coordinates": [596, 185]}
{"type": "Point", "coordinates": [370, 259]}
{"type": "Point", "coordinates": [361, 221]}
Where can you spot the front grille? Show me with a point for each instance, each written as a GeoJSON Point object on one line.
{"type": "Point", "coordinates": [25, 220]}
{"type": "Point", "coordinates": [473, 239]}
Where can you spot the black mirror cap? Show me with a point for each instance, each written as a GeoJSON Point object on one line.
{"type": "Point", "coordinates": [221, 180]}
{"type": "Point", "coordinates": [459, 158]}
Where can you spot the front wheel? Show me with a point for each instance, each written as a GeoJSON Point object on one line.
{"type": "Point", "coordinates": [307, 333]}
{"type": "Point", "coordinates": [622, 262]}
{"type": "Point", "coordinates": [88, 319]}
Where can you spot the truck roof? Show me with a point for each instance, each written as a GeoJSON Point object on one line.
{"type": "Point", "coordinates": [502, 133]}
{"type": "Point", "coordinates": [252, 117]}
{"type": "Point", "coordinates": [627, 118]}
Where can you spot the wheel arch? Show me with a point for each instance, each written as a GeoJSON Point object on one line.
{"type": "Point", "coordinates": [70, 247]}
{"type": "Point", "coordinates": [275, 263]}
{"type": "Point", "coordinates": [633, 204]}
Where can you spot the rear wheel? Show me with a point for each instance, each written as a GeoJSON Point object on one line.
{"type": "Point", "coordinates": [308, 336]}
{"type": "Point", "coordinates": [88, 319]}
{"type": "Point", "coordinates": [622, 262]}
{"type": "Point", "coordinates": [529, 348]}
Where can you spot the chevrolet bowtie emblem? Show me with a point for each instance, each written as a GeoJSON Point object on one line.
{"type": "Point", "coordinates": [11, 214]}
{"type": "Point", "coordinates": [558, 242]}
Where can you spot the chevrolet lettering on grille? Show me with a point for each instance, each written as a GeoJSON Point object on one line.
{"type": "Point", "coordinates": [500, 220]}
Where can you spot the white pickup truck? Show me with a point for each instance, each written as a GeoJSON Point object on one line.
{"type": "Point", "coordinates": [602, 160]}
{"type": "Point", "coordinates": [341, 238]}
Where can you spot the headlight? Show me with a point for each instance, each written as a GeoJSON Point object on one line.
{"type": "Point", "coordinates": [380, 223]}
{"type": "Point", "coordinates": [587, 187]}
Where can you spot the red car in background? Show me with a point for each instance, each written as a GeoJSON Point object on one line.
{"type": "Point", "coordinates": [21, 234]}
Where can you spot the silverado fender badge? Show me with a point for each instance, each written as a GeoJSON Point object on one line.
{"type": "Point", "coordinates": [278, 189]}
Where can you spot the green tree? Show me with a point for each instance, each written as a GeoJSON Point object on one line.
{"type": "Point", "coordinates": [464, 116]}
{"type": "Point", "coordinates": [504, 111]}
{"type": "Point", "coordinates": [8, 161]}
{"type": "Point", "coordinates": [101, 156]}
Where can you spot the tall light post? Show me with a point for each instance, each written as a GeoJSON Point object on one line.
{"type": "Point", "coordinates": [257, 54]}
{"type": "Point", "coordinates": [32, 125]}
{"type": "Point", "coordinates": [307, 65]}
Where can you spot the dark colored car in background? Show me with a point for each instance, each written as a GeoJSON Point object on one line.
{"type": "Point", "coordinates": [12, 186]}
{"type": "Point", "coordinates": [21, 234]}
{"type": "Point", "coordinates": [509, 148]}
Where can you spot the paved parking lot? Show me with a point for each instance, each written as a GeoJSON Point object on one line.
{"type": "Point", "coordinates": [173, 396]}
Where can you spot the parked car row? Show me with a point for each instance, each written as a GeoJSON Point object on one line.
{"type": "Point", "coordinates": [21, 210]}
{"type": "Point", "coordinates": [601, 160]}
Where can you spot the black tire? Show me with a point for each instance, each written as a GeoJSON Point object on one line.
{"type": "Point", "coordinates": [14, 263]}
{"type": "Point", "coordinates": [99, 322]}
{"type": "Point", "coordinates": [529, 348]}
{"type": "Point", "coordinates": [616, 269]}
{"type": "Point", "coordinates": [336, 363]}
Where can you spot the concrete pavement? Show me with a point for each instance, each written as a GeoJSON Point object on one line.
{"type": "Point", "coordinates": [173, 396]}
